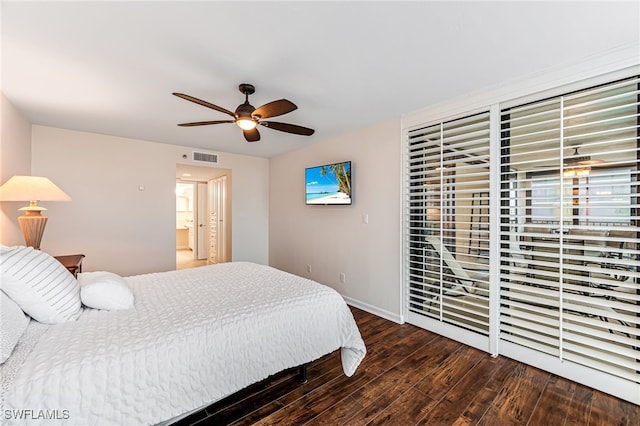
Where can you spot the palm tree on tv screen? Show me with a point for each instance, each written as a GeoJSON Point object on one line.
{"type": "Point", "coordinates": [342, 175]}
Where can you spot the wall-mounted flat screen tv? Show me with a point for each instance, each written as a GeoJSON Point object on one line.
{"type": "Point", "coordinates": [329, 184]}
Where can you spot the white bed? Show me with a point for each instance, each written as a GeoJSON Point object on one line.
{"type": "Point", "coordinates": [193, 337]}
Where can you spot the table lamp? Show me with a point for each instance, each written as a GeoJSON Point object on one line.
{"type": "Point", "coordinates": [32, 189]}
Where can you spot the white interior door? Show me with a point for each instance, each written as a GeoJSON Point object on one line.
{"type": "Point", "coordinates": [222, 226]}
{"type": "Point", "coordinates": [217, 226]}
{"type": "Point", "coordinates": [202, 234]}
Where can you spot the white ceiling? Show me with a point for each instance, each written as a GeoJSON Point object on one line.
{"type": "Point", "coordinates": [110, 67]}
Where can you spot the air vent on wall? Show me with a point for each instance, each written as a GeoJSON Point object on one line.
{"type": "Point", "coordinates": [205, 157]}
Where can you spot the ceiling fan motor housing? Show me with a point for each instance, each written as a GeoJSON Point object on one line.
{"type": "Point", "coordinates": [576, 158]}
{"type": "Point", "coordinates": [244, 110]}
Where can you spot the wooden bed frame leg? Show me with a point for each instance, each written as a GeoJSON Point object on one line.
{"type": "Point", "coordinates": [302, 374]}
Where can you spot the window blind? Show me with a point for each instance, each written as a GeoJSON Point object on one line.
{"type": "Point", "coordinates": [569, 255]}
{"type": "Point", "coordinates": [447, 218]}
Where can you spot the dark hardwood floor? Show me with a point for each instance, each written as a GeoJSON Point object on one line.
{"type": "Point", "coordinates": [411, 376]}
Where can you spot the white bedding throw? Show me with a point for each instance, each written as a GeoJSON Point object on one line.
{"type": "Point", "coordinates": [194, 337]}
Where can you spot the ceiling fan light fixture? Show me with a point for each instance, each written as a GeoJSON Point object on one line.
{"type": "Point", "coordinates": [246, 123]}
{"type": "Point", "coordinates": [577, 172]}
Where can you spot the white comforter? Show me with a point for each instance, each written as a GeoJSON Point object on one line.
{"type": "Point", "coordinates": [194, 337]}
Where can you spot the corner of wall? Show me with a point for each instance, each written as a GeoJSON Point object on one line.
{"type": "Point", "coordinates": [15, 159]}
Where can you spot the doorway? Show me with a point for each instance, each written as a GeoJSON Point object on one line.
{"type": "Point", "coordinates": [195, 200]}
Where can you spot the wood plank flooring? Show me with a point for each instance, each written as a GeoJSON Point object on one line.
{"type": "Point", "coordinates": [411, 376]}
{"type": "Point", "coordinates": [184, 260]}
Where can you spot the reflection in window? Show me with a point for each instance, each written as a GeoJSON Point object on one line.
{"type": "Point", "coordinates": [602, 196]}
{"type": "Point", "coordinates": [605, 197]}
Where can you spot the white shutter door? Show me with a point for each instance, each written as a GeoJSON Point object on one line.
{"type": "Point", "coordinates": [447, 218]}
{"type": "Point", "coordinates": [567, 269]}
{"type": "Point", "coordinates": [569, 229]}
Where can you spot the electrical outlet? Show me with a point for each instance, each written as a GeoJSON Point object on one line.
{"type": "Point", "coordinates": [343, 278]}
{"type": "Point", "coordinates": [309, 268]}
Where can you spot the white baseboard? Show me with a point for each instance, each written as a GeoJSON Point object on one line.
{"type": "Point", "coordinates": [374, 310]}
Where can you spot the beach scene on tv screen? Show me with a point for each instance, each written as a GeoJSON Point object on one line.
{"type": "Point", "coordinates": [330, 184]}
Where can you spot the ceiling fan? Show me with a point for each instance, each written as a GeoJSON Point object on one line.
{"type": "Point", "coordinates": [577, 165]}
{"type": "Point", "coordinates": [248, 118]}
{"type": "Point", "coordinates": [581, 160]}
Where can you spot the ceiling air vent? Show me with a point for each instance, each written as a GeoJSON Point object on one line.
{"type": "Point", "coordinates": [205, 157]}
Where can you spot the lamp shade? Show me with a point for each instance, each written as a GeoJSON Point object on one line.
{"type": "Point", "coordinates": [31, 188]}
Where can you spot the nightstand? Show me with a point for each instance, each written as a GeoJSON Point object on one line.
{"type": "Point", "coordinates": [73, 262]}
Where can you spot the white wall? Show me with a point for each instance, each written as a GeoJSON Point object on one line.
{"type": "Point", "coordinates": [334, 239]}
{"type": "Point", "coordinates": [121, 228]}
{"type": "Point", "coordinates": [15, 159]}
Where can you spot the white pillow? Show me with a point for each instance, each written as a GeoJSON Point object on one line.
{"type": "Point", "coordinates": [40, 285]}
{"type": "Point", "coordinates": [13, 322]}
{"type": "Point", "coordinates": [104, 290]}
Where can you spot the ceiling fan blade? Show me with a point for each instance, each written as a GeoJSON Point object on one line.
{"type": "Point", "coordinates": [204, 103]}
{"type": "Point", "coordinates": [251, 135]}
{"type": "Point", "coordinates": [205, 123]}
{"type": "Point", "coordinates": [289, 128]}
{"type": "Point", "coordinates": [275, 108]}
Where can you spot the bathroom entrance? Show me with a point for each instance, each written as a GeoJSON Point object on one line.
{"type": "Point", "coordinates": [203, 216]}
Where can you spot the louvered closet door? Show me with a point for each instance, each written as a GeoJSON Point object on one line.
{"type": "Point", "coordinates": [447, 216]}
{"type": "Point", "coordinates": [569, 229]}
